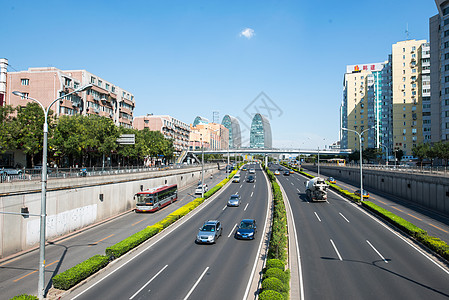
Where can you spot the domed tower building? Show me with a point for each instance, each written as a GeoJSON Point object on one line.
{"type": "Point", "coordinates": [260, 134]}
{"type": "Point", "coordinates": [233, 125]}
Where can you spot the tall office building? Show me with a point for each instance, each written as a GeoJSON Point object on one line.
{"type": "Point", "coordinates": [366, 104]}
{"type": "Point", "coordinates": [211, 136]}
{"type": "Point", "coordinates": [233, 125]}
{"type": "Point", "coordinates": [260, 133]}
{"type": "Point", "coordinates": [439, 73]}
{"type": "Point", "coordinates": [408, 92]}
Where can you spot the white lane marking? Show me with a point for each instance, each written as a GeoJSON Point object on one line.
{"type": "Point", "coordinates": [395, 233]}
{"type": "Point", "coordinates": [224, 207]}
{"type": "Point", "coordinates": [301, 284]}
{"type": "Point", "coordinates": [229, 235]}
{"type": "Point", "coordinates": [336, 250]}
{"type": "Point", "coordinates": [196, 283]}
{"type": "Point", "coordinates": [344, 217]}
{"type": "Point", "coordinates": [378, 253]}
{"type": "Point", "coordinates": [252, 194]}
{"type": "Point", "coordinates": [298, 190]}
{"type": "Point", "coordinates": [149, 281]}
{"type": "Point", "coordinates": [254, 186]}
{"type": "Point", "coordinates": [250, 280]}
{"type": "Point", "coordinates": [246, 206]}
{"type": "Point", "coordinates": [292, 183]}
{"type": "Point", "coordinates": [317, 216]}
{"type": "Point", "coordinates": [241, 186]}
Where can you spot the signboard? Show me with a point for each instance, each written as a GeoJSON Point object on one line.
{"type": "Point", "coordinates": [127, 139]}
{"type": "Point", "coordinates": [365, 67]}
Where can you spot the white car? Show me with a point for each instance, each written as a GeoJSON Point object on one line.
{"type": "Point", "coordinates": [236, 178]}
{"type": "Point", "coordinates": [252, 171]}
{"type": "Point", "coordinates": [199, 189]}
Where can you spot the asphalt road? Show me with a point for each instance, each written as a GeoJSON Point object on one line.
{"type": "Point", "coordinates": [175, 267]}
{"type": "Point", "coordinates": [348, 254]}
{"type": "Point", "coordinates": [435, 223]}
{"type": "Point", "coordinates": [19, 275]}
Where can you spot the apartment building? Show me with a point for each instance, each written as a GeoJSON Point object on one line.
{"type": "Point", "coordinates": [170, 127]}
{"type": "Point", "coordinates": [46, 84]}
{"type": "Point", "coordinates": [210, 136]}
{"type": "Point", "coordinates": [366, 104]}
{"type": "Point", "coordinates": [408, 92]}
{"type": "Point", "coordinates": [439, 74]}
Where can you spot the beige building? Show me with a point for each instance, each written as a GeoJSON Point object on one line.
{"type": "Point", "coordinates": [46, 84]}
{"type": "Point", "coordinates": [170, 127]}
{"type": "Point", "coordinates": [211, 136]}
{"type": "Point", "coordinates": [407, 88]}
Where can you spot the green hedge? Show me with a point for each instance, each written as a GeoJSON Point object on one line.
{"type": "Point", "coordinates": [283, 276]}
{"type": "Point", "coordinates": [74, 275]}
{"type": "Point", "coordinates": [81, 271]}
{"type": "Point", "coordinates": [275, 284]}
{"type": "Point", "coordinates": [24, 297]}
{"type": "Point", "coordinates": [270, 295]}
{"type": "Point", "coordinates": [275, 263]}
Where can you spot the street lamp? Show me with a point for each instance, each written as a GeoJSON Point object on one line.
{"type": "Point", "coordinates": [41, 282]}
{"type": "Point", "coordinates": [202, 166]}
{"type": "Point", "coordinates": [361, 160]}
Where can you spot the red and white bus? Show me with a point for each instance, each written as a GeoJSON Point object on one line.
{"type": "Point", "coordinates": [156, 198]}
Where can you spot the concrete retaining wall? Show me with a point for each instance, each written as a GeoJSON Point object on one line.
{"type": "Point", "coordinates": [74, 203]}
{"type": "Point", "coordinates": [431, 191]}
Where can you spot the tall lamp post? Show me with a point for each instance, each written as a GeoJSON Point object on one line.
{"type": "Point", "coordinates": [361, 161]}
{"type": "Point", "coordinates": [41, 282]}
{"type": "Point", "coordinates": [202, 167]}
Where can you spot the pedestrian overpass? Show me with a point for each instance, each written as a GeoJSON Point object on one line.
{"type": "Point", "coordinates": [274, 151]}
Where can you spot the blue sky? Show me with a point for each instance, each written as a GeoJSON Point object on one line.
{"type": "Point", "coordinates": [189, 58]}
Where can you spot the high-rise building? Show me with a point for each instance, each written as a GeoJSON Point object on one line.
{"type": "Point", "coordinates": [46, 84]}
{"type": "Point", "coordinates": [260, 133]}
{"type": "Point", "coordinates": [366, 104]}
{"type": "Point", "coordinates": [439, 74]}
{"type": "Point", "coordinates": [233, 125]}
{"type": "Point", "coordinates": [407, 87]}
{"type": "Point", "coordinates": [170, 127]}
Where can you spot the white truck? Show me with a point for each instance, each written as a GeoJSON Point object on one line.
{"type": "Point", "coordinates": [316, 189]}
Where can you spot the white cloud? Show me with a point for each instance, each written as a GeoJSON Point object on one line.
{"type": "Point", "coordinates": [247, 32]}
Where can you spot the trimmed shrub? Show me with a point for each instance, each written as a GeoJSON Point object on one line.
{"type": "Point", "coordinates": [270, 295]}
{"type": "Point", "coordinates": [275, 263]}
{"type": "Point", "coordinates": [274, 284]}
{"type": "Point", "coordinates": [81, 271]}
{"type": "Point", "coordinates": [24, 297]}
{"type": "Point", "coordinates": [435, 244]}
{"type": "Point", "coordinates": [283, 276]}
{"type": "Point", "coordinates": [134, 240]}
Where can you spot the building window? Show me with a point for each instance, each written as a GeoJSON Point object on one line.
{"type": "Point", "coordinates": [403, 79]}
{"type": "Point", "coordinates": [403, 49]}
{"type": "Point", "coordinates": [446, 56]}
{"type": "Point", "coordinates": [403, 56]}
{"type": "Point", "coordinates": [25, 81]}
{"type": "Point", "coordinates": [446, 11]}
{"type": "Point", "coordinates": [100, 82]}
{"type": "Point", "coordinates": [446, 33]}
{"type": "Point", "coordinates": [414, 130]}
{"type": "Point", "coordinates": [92, 79]}
{"type": "Point", "coordinates": [403, 108]}
{"type": "Point", "coordinates": [403, 116]}
{"type": "Point", "coordinates": [413, 70]}
{"type": "Point", "coordinates": [113, 89]}
{"type": "Point", "coordinates": [107, 86]}
{"type": "Point", "coordinates": [446, 44]}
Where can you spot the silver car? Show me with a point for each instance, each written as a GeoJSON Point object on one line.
{"type": "Point", "coordinates": [234, 200]}
{"type": "Point", "coordinates": [209, 232]}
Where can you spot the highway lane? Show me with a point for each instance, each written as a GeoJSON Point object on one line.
{"type": "Point", "coordinates": [348, 254]}
{"type": "Point", "coordinates": [20, 275]}
{"type": "Point", "coordinates": [178, 268]}
{"type": "Point", "coordinates": [435, 223]}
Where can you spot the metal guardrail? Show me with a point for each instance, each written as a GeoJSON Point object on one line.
{"type": "Point", "coordinates": [54, 173]}
{"type": "Point", "coordinates": [427, 170]}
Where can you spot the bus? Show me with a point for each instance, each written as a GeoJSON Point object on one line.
{"type": "Point", "coordinates": [154, 199]}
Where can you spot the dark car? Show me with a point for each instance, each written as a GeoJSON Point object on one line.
{"type": "Point", "coordinates": [246, 230]}
{"type": "Point", "coordinates": [286, 173]}
{"type": "Point", "coordinates": [250, 178]}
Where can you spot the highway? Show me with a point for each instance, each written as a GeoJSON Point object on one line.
{"type": "Point", "coordinates": [435, 223]}
{"type": "Point", "coordinates": [19, 275]}
{"type": "Point", "coordinates": [345, 253]}
{"type": "Point", "coordinates": [173, 266]}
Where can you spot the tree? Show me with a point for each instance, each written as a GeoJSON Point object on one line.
{"type": "Point", "coordinates": [6, 118]}
{"type": "Point", "coordinates": [28, 129]}
{"type": "Point", "coordinates": [371, 154]}
{"type": "Point", "coordinates": [421, 151]}
{"type": "Point", "coordinates": [441, 150]}
{"type": "Point", "coordinates": [354, 156]}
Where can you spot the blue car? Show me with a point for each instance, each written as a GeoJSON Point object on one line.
{"type": "Point", "coordinates": [246, 230]}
